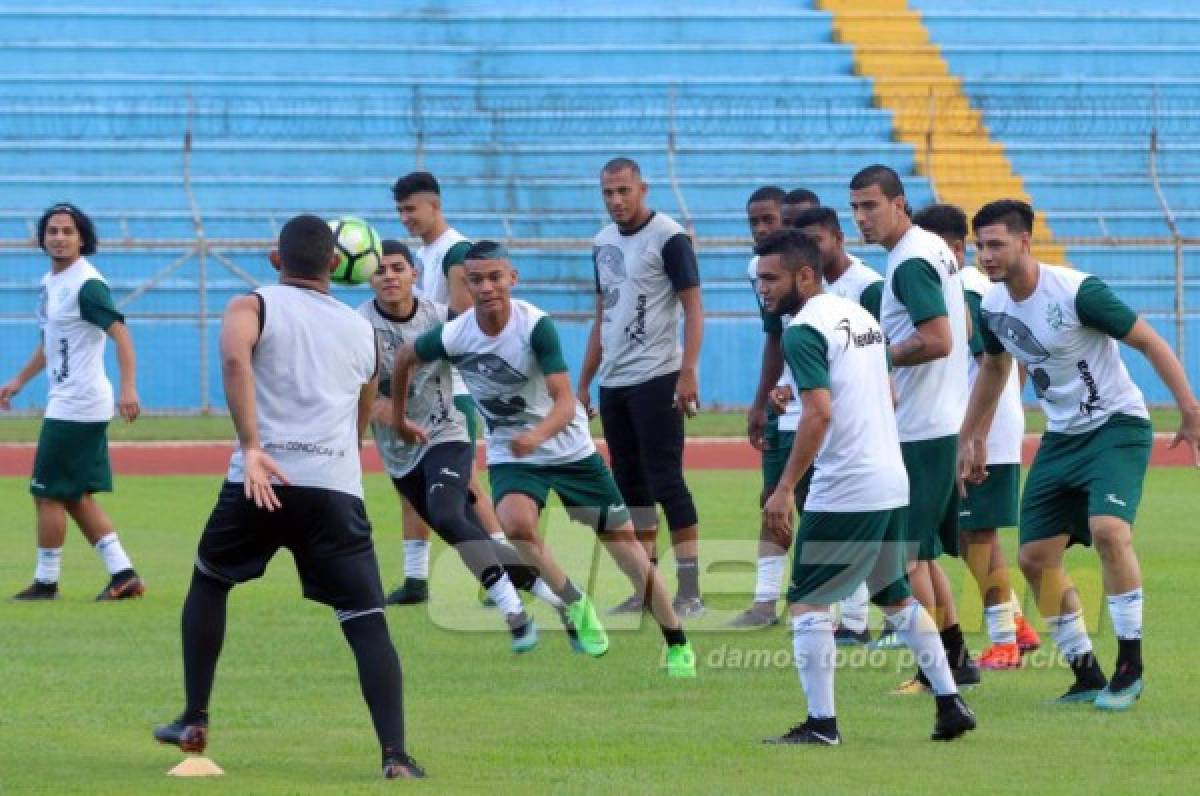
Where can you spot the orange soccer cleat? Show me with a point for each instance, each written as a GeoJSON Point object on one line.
{"type": "Point", "coordinates": [1001, 656]}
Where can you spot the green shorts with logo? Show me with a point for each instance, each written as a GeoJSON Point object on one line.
{"type": "Point", "coordinates": [586, 488]}
{"type": "Point", "coordinates": [71, 460]}
{"type": "Point", "coordinates": [995, 503]}
{"type": "Point", "coordinates": [1077, 476]}
{"type": "Point", "coordinates": [932, 495]}
{"type": "Point", "coordinates": [835, 551]}
{"type": "Point", "coordinates": [466, 405]}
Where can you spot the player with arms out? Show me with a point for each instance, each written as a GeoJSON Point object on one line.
{"type": "Point", "coordinates": [75, 314]}
{"type": "Point", "coordinates": [1086, 481]}
{"type": "Point", "coordinates": [299, 369]}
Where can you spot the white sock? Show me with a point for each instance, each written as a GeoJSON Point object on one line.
{"type": "Point", "coordinates": [916, 628]}
{"type": "Point", "coordinates": [854, 609]}
{"type": "Point", "coordinates": [543, 592]}
{"type": "Point", "coordinates": [812, 642]}
{"type": "Point", "coordinates": [1070, 634]}
{"type": "Point", "coordinates": [1126, 612]}
{"type": "Point", "coordinates": [505, 596]}
{"type": "Point", "coordinates": [416, 558]}
{"type": "Point", "coordinates": [113, 555]}
{"type": "Point", "coordinates": [1001, 623]}
{"type": "Point", "coordinates": [770, 578]}
{"type": "Point", "coordinates": [1015, 602]}
{"type": "Point", "coordinates": [49, 565]}
{"type": "Point", "coordinates": [499, 536]}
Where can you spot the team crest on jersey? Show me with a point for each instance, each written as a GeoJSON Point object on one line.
{"type": "Point", "coordinates": [1054, 316]}
{"type": "Point", "coordinates": [491, 368]}
{"type": "Point", "coordinates": [610, 273]}
{"type": "Point", "coordinates": [499, 410]}
{"type": "Point", "coordinates": [1017, 334]}
{"type": "Point", "coordinates": [869, 337]}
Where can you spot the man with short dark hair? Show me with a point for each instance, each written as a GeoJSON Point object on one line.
{"type": "Point", "coordinates": [1086, 481]}
{"type": "Point", "coordinates": [646, 279]}
{"type": "Point", "coordinates": [75, 315]}
{"type": "Point", "coordinates": [299, 369]}
{"type": "Point", "coordinates": [796, 202]}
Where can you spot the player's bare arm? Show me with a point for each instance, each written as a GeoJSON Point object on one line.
{"type": "Point", "coordinates": [366, 406]}
{"type": "Point", "coordinates": [1146, 341]}
{"type": "Point", "coordinates": [932, 340]}
{"type": "Point", "coordinates": [406, 360]}
{"type": "Point", "coordinates": [687, 390]}
{"type": "Point", "coordinates": [557, 419]}
{"type": "Point", "coordinates": [780, 507]}
{"type": "Point", "coordinates": [981, 408]}
{"type": "Point", "coordinates": [768, 376]}
{"type": "Point", "coordinates": [127, 399]}
{"type": "Point", "coordinates": [456, 283]}
{"type": "Point", "coordinates": [35, 365]}
{"type": "Point", "coordinates": [591, 360]}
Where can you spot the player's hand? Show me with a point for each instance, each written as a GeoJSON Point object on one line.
{"type": "Point", "coordinates": [260, 469]}
{"type": "Point", "coordinates": [778, 511]}
{"type": "Point", "coordinates": [382, 412]}
{"type": "Point", "coordinates": [127, 404]}
{"type": "Point", "coordinates": [1189, 431]}
{"type": "Point", "coordinates": [7, 392]}
{"type": "Point", "coordinates": [780, 397]}
{"type": "Point", "coordinates": [687, 392]}
{"type": "Point", "coordinates": [756, 422]}
{"type": "Point", "coordinates": [972, 463]}
{"type": "Point", "coordinates": [524, 444]}
{"type": "Point", "coordinates": [411, 433]}
{"type": "Point", "coordinates": [584, 396]}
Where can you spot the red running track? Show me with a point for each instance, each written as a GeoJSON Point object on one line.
{"type": "Point", "coordinates": [208, 458]}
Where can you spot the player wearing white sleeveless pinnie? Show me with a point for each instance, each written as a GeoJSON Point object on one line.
{"type": "Point", "coordinates": [75, 317]}
{"type": "Point", "coordinates": [1085, 483]}
{"type": "Point", "coordinates": [439, 258]}
{"type": "Point", "coordinates": [924, 317]}
{"type": "Point", "coordinates": [994, 503]}
{"type": "Point", "coordinates": [299, 371]}
{"type": "Point", "coordinates": [538, 440]}
{"type": "Point", "coordinates": [852, 526]}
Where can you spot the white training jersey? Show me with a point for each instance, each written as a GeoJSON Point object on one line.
{"type": "Point", "coordinates": [430, 392]}
{"type": "Point", "coordinates": [1065, 334]}
{"type": "Point", "coordinates": [432, 282]}
{"type": "Point", "coordinates": [506, 375]}
{"type": "Point", "coordinates": [790, 419]}
{"type": "Point", "coordinates": [932, 398]}
{"type": "Point", "coordinates": [313, 356]}
{"type": "Point", "coordinates": [854, 280]}
{"type": "Point", "coordinates": [79, 390]}
{"type": "Point", "coordinates": [835, 344]}
{"type": "Point", "coordinates": [1008, 425]}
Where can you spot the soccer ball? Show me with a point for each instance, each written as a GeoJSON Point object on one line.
{"type": "Point", "coordinates": [358, 249]}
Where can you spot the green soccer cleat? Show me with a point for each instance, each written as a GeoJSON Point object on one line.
{"type": "Point", "coordinates": [1122, 690]}
{"type": "Point", "coordinates": [525, 638]}
{"type": "Point", "coordinates": [1079, 693]}
{"type": "Point", "coordinates": [681, 660]}
{"type": "Point", "coordinates": [591, 636]}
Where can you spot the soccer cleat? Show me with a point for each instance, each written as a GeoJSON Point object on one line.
{"type": "Point", "coordinates": [414, 592]}
{"type": "Point", "coordinates": [913, 687]}
{"type": "Point", "coordinates": [888, 640]}
{"type": "Point", "coordinates": [809, 733]}
{"type": "Point", "coordinates": [634, 604]}
{"type": "Point", "coordinates": [123, 586]}
{"type": "Point", "coordinates": [402, 767]}
{"type": "Point", "coordinates": [592, 638]}
{"type": "Point", "coordinates": [954, 718]}
{"type": "Point", "coordinates": [1081, 693]}
{"type": "Point", "coordinates": [1122, 691]}
{"type": "Point", "coordinates": [191, 738]}
{"type": "Point", "coordinates": [967, 675]}
{"type": "Point", "coordinates": [1027, 637]}
{"type": "Point", "coordinates": [1001, 656]}
{"type": "Point", "coordinates": [681, 660]}
{"type": "Point", "coordinates": [845, 637]}
{"type": "Point", "coordinates": [37, 591]}
{"type": "Point", "coordinates": [524, 638]}
{"type": "Point", "coordinates": [688, 607]}
{"type": "Point", "coordinates": [569, 626]}
{"type": "Point", "coordinates": [752, 618]}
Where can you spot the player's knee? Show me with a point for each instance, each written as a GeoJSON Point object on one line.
{"type": "Point", "coordinates": [1034, 559]}
{"type": "Point", "coordinates": [1112, 537]}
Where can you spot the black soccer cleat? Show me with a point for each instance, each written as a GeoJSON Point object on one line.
{"type": "Point", "coordinates": [37, 591]}
{"type": "Point", "coordinates": [124, 585]}
{"type": "Point", "coordinates": [402, 767]}
{"type": "Point", "coordinates": [967, 675]}
{"type": "Point", "coordinates": [190, 737]}
{"type": "Point", "coordinates": [954, 718]}
{"type": "Point", "coordinates": [414, 592]}
{"type": "Point", "coordinates": [813, 732]}
{"type": "Point", "coordinates": [845, 637]}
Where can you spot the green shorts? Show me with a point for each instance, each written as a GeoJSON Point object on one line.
{"type": "Point", "coordinates": [1077, 476]}
{"type": "Point", "coordinates": [71, 460]}
{"type": "Point", "coordinates": [995, 502]}
{"type": "Point", "coordinates": [777, 447]}
{"type": "Point", "coordinates": [586, 488]}
{"type": "Point", "coordinates": [835, 551]}
{"type": "Point", "coordinates": [932, 495]}
{"type": "Point", "coordinates": [466, 405]}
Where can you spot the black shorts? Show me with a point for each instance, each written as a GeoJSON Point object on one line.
{"type": "Point", "coordinates": [326, 531]}
{"type": "Point", "coordinates": [438, 482]}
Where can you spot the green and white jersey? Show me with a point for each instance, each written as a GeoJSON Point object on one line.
{"type": "Point", "coordinates": [859, 283]}
{"type": "Point", "coordinates": [430, 391]}
{"type": "Point", "coordinates": [835, 344]}
{"type": "Point", "coordinates": [74, 310]}
{"type": "Point", "coordinates": [434, 261]}
{"type": "Point", "coordinates": [506, 375]}
{"type": "Point", "coordinates": [790, 419]}
{"type": "Point", "coordinates": [639, 276]}
{"type": "Point", "coordinates": [1066, 334]}
{"type": "Point", "coordinates": [922, 282]}
{"type": "Point", "coordinates": [1008, 425]}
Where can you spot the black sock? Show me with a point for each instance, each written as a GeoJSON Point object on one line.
{"type": "Point", "coordinates": [1129, 653]}
{"type": "Point", "coordinates": [1087, 670]}
{"type": "Point", "coordinates": [203, 635]}
{"type": "Point", "coordinates": [945, 701]}
{"type": "Point", "coordinates": [826, 726]}
{"type": "Point", "coordinates": [380, 678]}
{"type": "Point", "coordinates": [674, 637]}
{"type": "Point", "coordinates": [956, 647]}
{"type": "Point", "coordinates": [687, 570]}
{"type": "Point", "coordinates": [569, 594]}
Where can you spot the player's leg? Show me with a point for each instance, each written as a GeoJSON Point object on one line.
{"type": "Point", "coordinates": [98, 529]}
{"type": "Point", "coordinates": [51, 535]}
{"type": "Point", "coordinates": [771, 561]}
{"type": "Point", "coordinates": [415, 588]}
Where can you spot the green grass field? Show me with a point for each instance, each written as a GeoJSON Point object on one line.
{"type": "Point", "coordinates": [218, 427]}
{"type": "Point", "coordinates": [83, 683]}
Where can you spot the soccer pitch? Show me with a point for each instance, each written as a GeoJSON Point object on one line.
{"type": "Point", "coordinates": [83, 683]}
